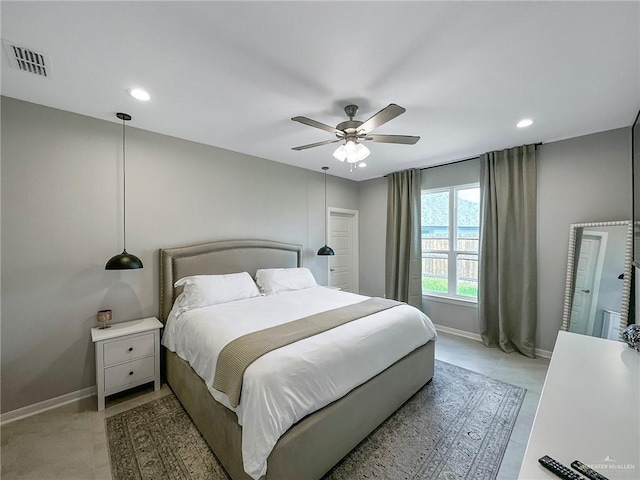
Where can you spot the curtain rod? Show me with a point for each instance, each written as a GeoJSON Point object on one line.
{"type": "Point", "coordinates": [450, 163]}
{"type": "Point", "coordinates": [462, 160]}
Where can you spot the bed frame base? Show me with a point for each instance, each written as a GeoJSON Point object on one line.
{"type": "Point", "coordinates": [314, 445]}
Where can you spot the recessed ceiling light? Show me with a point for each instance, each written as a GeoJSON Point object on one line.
{"type": "Point", "coordinates": [139, 94]}
{"type": "Point", "coordinates": [524, 123]}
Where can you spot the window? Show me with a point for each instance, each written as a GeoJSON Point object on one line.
{"type": "Point", "coordinates": [450, 238]}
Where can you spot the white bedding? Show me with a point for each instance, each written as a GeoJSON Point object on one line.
{"type": "Point", "coordinates": [285, 385]}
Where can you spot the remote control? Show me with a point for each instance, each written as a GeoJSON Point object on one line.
{"type": "Point", "coordinates": [587, 472]}
{"type": "Point", "coordinates": [559, 469]}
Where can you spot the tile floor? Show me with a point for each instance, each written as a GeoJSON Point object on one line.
{"type": "Point", "coordinates": [69, 443]}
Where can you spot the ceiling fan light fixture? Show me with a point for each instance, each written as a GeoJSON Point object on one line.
{"type": "Point", "coordinates": [362, 152]}
{"type": "Point", "coordinates": [340, 154]}
{"type": "Point", "coordinates": [362, 164]}
{"type": "Point", "coordinates": [350, 149]}
{"type": "Point", "coordinates": [352, 152]}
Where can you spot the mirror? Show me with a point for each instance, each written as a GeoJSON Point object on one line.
{"type": "Point", "coordinates": [596, 297]}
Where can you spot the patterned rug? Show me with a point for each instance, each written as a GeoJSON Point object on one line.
{"type": "Point", "coordinates": [457, 427]}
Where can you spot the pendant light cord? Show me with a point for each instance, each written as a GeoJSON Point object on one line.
{"type": "Point", "coordinates": [325, 203]}
{"type": "Point", "coordinates": [124, 190]}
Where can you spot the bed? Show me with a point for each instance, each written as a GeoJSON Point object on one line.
{"type": "Point", "coordinates": [313, 445]}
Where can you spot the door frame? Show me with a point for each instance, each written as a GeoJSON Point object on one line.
{"type": "Point", "coordinates": [356, 242]}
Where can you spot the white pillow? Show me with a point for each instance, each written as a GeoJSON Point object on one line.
{"type": "Point", "coordinates": [275, 280]}
{"type": "Point", "coordinates": [204, 290]}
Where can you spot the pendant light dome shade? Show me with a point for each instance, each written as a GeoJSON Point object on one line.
{"type": "Point", "coordinates": [124, 260]}
{"type": "Point", "coordinates": [325, 250]}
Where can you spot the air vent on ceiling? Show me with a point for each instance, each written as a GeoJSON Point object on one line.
{"type": "Point", "coordinates": [27, 60]}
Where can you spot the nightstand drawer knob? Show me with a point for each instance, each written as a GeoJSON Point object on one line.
{"type": "Point", "coordinates": [130, 373]}
{"type": "Point", "coordinates": [131, 349]}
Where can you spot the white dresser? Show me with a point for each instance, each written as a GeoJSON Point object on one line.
{"type": "Point", "coordinates": [589, 409]}
{"type": "Point", "coordinates": [127, 355]}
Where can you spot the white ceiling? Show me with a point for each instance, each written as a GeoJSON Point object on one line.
{"type": "Point", "coordinates": [232, 74]}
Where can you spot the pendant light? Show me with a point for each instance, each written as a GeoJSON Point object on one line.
{"type": "Point", "coordinates": [124, 260]}
{"type": "Point", "coordinates": [325, 250]}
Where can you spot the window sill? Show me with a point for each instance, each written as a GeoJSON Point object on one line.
{"type": "Point", "coordinates": [461, 302]}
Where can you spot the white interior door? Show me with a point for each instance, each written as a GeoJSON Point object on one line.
{"type": "Point", "coordinates": [585, 293]}
{"type": "Point", "coordinates": [343, 238]}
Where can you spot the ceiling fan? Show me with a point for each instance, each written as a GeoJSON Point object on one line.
{"type": "Point", "coordinates": [352, 132]}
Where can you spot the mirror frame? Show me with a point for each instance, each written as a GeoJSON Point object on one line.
{"type": "Point", "coordinates": [626, 282]}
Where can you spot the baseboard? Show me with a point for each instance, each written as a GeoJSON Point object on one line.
{"type": "Point", "coordinates": [45, 405]}
{"type": "Point", "coordinates": [477, 337]}
{"type": "Point", "coordinates": [543, 353]}
{"type": "Point", "coordinates": [459, 333]}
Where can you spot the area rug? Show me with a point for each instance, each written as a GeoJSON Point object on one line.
{"type": "Point", "coordinates": [457, 427]}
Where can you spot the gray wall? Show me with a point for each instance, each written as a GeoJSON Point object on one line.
{"type": "Point", "coordinates": [62, 220]}
{"type": "Point", "coordinates": [373, 231]}
{"type": "Point", "coordinates": [584, 179]}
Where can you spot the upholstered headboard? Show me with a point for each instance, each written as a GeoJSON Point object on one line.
{"type": "Point", "coordinates": [218, 258]}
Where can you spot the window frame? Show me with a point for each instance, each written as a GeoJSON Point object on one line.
{"type": "Point", "coordinates": [453, 252]}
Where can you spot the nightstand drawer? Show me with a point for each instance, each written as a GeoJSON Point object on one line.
{"type": "Point", "coordinates": [129, 348]}
{"type": "Point", "coordinates": [128, 373]}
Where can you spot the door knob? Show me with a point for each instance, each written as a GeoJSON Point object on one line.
{"type": "Point", "coordinates": [586, 291]}
{"type": "Point", "coordinates": [332, 269]}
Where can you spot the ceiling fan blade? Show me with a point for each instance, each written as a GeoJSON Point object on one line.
{"type": "Point", "coordinates": [321, 126]}
{"type": "Point", "coordinates": [404, 139]}
{"type": "Point", "coordinates": [389, 112]}
{"type": "Point", "coordinates": [311, 145]}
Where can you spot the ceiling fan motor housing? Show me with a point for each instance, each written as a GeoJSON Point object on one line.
{"type": "Point", "coordinates": [350, 127]}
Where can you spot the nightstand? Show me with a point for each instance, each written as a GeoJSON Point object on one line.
{"type": "Point", "coordinates": [127, 355]}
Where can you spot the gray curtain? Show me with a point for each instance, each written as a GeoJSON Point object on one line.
{"type": "Point", "coordinates": [508, 274]}
{"type": "Point", "coordinates": [403, 259]}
